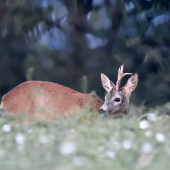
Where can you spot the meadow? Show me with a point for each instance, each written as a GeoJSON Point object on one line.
{"type": "Point", "coordinates": [86, 141]}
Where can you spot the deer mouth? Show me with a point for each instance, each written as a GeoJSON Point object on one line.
{"type": "Point", "coordinates": [110, 114]}
{"type": "Point", "coordinates": [118, 115]}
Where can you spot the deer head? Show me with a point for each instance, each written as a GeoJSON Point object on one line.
{"type": "Point", "coordinates": [117, 100]}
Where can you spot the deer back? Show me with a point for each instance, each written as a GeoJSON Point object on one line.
{"type": "Point", "coordinates": [39, 96]}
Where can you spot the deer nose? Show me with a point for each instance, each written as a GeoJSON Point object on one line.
{"type": "Point", "coordinates": [101, 111]}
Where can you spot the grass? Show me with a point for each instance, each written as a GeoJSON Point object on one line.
{"type": "Point", "coordinates": [85, 141]}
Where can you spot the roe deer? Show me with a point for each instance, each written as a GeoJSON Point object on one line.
{"type": "Point", "coordinates": [117, 100]}
{"type": "Point", "coordinates": [37, 97]}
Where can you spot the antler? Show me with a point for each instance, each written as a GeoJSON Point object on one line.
{"type": "Point", "coordinates": [120, 76]}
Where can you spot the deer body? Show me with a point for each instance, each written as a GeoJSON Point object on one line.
{"type": "Point", "coordinates": [38, 97]}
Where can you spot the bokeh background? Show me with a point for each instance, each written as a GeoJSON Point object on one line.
{"type": "Point", "coordinates": [71, 42]}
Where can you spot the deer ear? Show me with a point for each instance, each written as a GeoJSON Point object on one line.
{"type": "Point", "coordinates": [107, 84]}
{"type": "Point", "coordinates": [131, 84]}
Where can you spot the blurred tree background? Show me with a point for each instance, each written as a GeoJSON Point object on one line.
{"type": "Point", "coordinates": [71, 42]}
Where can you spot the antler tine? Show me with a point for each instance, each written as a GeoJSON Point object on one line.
{"type": "Point", "coordinates": [120, 76]}
{"type": "Point", "coordinates": [120, 71]}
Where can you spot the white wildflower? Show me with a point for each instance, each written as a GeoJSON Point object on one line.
{"type": "Point", "coordinates": [6, 128]}
{"type": "Point", "coordinates": [19, 138]}
{"type": "Point", "coordinates": [148, 134]}
{"type": "Point", "coordinates": [67, 148]}
{"type": "Point", "coordinates": [110, 154]}
{"type": "Point", "coordinates": [127, 144]}
{"type": "Point", "coordinates": [147, 147]}
{"type": "Point", "coordinates": [151, 116]}
{"type": "Point", "coordinates": [144, 124]}
{"type": "Point", "coordinates": [160, 137]}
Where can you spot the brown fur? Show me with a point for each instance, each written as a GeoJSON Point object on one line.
{"type": "Point", "coordinates": [36, 97]}
{"type": "Point", "coordinates": [40, 99]}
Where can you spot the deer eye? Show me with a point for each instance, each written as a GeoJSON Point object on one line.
{"type": "Point", "coordinates": [117, 99]}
